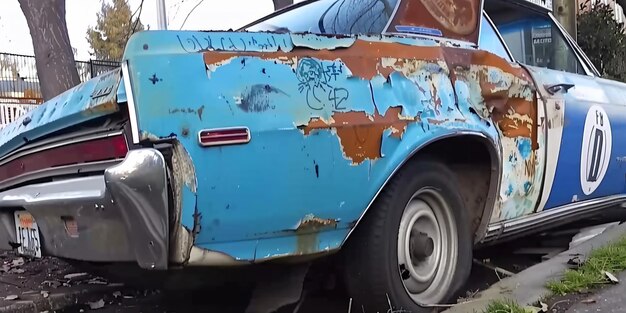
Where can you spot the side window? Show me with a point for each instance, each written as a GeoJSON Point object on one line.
{"type": "Point", "coordinates": [534, 40]}
{"type": "Point", "coordinates": [333, 17]}
{"type": "Point", "coordinates": [489, 41]}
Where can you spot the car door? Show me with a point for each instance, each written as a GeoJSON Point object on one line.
{"type": "Point", "coordinates": [583, 113]}
{"type": "Point", "coordinates": [523, 162]}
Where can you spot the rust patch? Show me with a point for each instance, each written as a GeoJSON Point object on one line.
{"type": "Point", "coordinates": [307, 233]}
{"type": "Point", "coordinates": [104, 107]}
{"type": "Point", "coordinates": [511, 103]}
{"type": "Point", "coordinates": [360, 133]}
{"type": "Point", "coordinates": [512, 111]}
{"type": "Point", "coordinates": [363, 58]}
{"type": "Point", "coordinates": [436, 122]}
{"type": "Point", "coordinates": [312, 223]}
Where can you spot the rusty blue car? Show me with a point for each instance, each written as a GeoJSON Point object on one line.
{"type": "Point", "coordinates": [402, 134]}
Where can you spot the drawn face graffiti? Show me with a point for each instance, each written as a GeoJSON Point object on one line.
{"type": "Point", "coordinates": [310, 73]}
{"type": "Point", "coordinates": [317, 82]}
{"type": "Point", "coordinates": [596, 149]}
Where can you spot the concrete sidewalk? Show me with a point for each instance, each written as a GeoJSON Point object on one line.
{"type": "Point", "coordinates": [529, 286]}
{"type": "Point", "coordinates": [609, 300]}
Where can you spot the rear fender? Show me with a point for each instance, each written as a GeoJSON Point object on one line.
{"type": "Point", "coordinates": [331, 119]}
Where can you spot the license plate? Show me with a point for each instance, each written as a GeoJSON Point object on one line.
{"type": "Point", "coordinates": [27, 234]}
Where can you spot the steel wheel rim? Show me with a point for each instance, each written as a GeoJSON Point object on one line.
{"type": "Point", "coordinates": [426, 266]}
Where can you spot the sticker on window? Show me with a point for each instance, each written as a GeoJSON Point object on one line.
{"type": "Point", "coordinates": [419, 30]}
{"type": "Point", "coordinates": [454, 19]}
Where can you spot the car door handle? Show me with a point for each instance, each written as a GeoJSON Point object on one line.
{"type": "Point", "coordinates": [554, 89]}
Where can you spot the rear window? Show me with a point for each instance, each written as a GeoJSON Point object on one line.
{"type": "Point", "coordinates": [332, 17]}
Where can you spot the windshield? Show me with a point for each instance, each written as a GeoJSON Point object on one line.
{"type": "Point", "coordinates": [332, 17]}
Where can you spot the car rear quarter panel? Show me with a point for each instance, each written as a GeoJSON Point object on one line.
{"type": "Point", "coordinates": [331, 119]}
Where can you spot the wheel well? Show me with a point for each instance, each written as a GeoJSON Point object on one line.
{"type": "Point", "coordinates": [474, 164]}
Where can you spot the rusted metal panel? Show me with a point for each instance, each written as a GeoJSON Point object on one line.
{"type": "Point", "coordinates": [330, 119]}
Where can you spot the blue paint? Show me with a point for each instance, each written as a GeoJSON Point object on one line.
{"type": "Point", "coordinates": [294, 174]}
{"type": "Point", "coordinates": [527, 186]}
{"type": "Point", "coordinates": [567, 181]}
{"type": "Point", "coordinates": [525, 148]}
{"type": "Point", "coordinates": [509, 190]}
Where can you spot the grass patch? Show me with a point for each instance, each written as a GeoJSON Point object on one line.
{"type": "Point", "coordinates": [504, 307]}
{"type": "Point", "coordinates": [611, 258]}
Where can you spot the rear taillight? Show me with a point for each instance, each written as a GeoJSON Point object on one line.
{"type": "Point", "coordinates": [101, 149]}
{"type": "Point", "coordinates": [224, 136]}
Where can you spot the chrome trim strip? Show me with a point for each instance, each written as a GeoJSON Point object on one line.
{"type": "Point", "coordinates": [58, 142]}
{"type": "Point", "coordinates": [130, 98]}
{"type": "Point", "coordinates": [78, 189]}
{"type": "Point", "coordinates": [493, 188]}
{"type": "Point", "coordinates": [553, 217]}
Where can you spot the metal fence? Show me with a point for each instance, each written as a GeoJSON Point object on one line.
{"type": "Point", "coordinates": [19, 82]}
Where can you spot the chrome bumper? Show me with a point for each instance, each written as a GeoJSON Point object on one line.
{"type": "Point", "coordinates": [122, 216]}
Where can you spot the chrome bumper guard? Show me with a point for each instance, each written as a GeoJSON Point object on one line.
{"type": "Point", "coordinates": [122, 216]}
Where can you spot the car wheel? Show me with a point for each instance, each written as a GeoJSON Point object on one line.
{"type": "Point", "coordinates": [413, 249]}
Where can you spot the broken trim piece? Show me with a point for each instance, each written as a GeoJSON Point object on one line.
{"type": "Point", "coordinates": [561, 215]}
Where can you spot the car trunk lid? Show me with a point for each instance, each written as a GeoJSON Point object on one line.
{"type": "Point", "coordinates": [92, 99]}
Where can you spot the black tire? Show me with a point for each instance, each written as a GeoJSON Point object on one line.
{"type": "Point", "coordinates": [371, 264]}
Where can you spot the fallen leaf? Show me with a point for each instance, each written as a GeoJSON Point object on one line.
{"type": "Point", "coordinates": [11, 297]}
{"type": "Point", "coordinates": [587, 301]}
{"type": "Point", "coordinates": [16, 271]}
{"type": "Point", "coordinates": [51, 283]}
{"type": "Point", "coordinates": [96, 305]}
{"type": "Point", "coordinates": [117, 294]}
{"type": "Point", "coordinates": [17, 262]}
{"type": "Point", "coordinates": [576, 261]}
{"type": "Point", "coordinates": [97, 281]}
{"type": "Point", "coordinates": [532, 309]}
{"type": "Point", "coordinates": [45, 294]}
{"type": "Point", "coordinates": [75, 276]}
{"type": "Point", "coordinates": [611, 277]}
{"type": "Point", "coordinates": [544, 307]}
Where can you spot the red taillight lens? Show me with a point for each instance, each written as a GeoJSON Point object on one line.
{"type": "Point", "coordinates": [101, 149]}
{"type": "Point", "coordinates": [225, 136]}
{"type": "Point", "coordinates": [109, 148]}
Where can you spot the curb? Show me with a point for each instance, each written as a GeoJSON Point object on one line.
{"type": "Point", "coordinates": [56, 300]}
{"type": "Point", "coordinates": [528, 287]}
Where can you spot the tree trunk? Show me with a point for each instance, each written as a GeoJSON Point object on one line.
{"type": "Point", "coordinates": [56, 67]}
{"type": "Point", "coordinates": [279, 4]}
